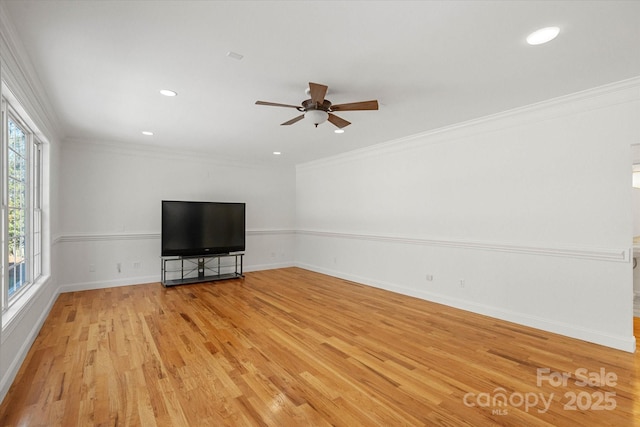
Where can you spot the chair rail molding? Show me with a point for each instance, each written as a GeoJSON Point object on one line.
{"type": "Point", "coordinates": [93, 237]}
{"type": "Point", "coordinates": [601, 254]}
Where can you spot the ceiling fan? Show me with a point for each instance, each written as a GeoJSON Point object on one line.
{"type": "Point", "coordinates": [318, 109]}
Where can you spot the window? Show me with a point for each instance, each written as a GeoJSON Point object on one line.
{"type": "Point", "coordinates": [21, 205]}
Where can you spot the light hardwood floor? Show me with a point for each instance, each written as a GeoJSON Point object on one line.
{"type": "Point", "coordinates": [294, 348]}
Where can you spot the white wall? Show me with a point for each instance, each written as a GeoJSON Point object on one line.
{"type": "Point", "coordinates": [636, 210]}
{"type": "Point", "coordinates": [531, 208]}
{"type": "Point", "coordinates": [111, 209]}
{"type": "Point", "coordinates": [22, 322]}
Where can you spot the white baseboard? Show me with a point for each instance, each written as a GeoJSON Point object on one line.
{"type": "Point", "coordinates": [87, 286]}
{"type": "Point", "coordinates": [618, 342]}
{"type": "Point", "coordinates": [12, 370]}
{"type": "Point", "coordinates": [270, 266]}
{"type": "Point", "coordinates": [102, 284]}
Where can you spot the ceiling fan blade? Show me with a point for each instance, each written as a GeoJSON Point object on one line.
{"type": "Point", "coordinates": [275, 104]}
{"type": "Point", "coordinates": [339, 122]}
{"type": "Point", "coordinates": [294, 120]}
{"type": "Point", "coordinates": [354, 106]}
{"type": "Point", "coordinates": [317, 92]}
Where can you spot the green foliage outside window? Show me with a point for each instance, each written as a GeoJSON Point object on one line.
{"type": "Point", "coordinates": [17, 195]}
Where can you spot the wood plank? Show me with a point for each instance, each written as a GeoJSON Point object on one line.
{"type": "Point", "coordinates": [291, 347]}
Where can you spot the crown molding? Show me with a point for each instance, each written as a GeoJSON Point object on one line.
{"type": "Point", "coordinates": [620, 92]}
{"type": "Point", "coordinates": [144, 150]}
{"type": "Point", "coordinates": [20, 76]}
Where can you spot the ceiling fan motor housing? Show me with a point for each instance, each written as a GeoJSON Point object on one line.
{"type": "Point", "coordinates": [310, 105]}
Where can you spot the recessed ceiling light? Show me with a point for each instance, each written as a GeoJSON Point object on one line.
{"type": "Point", "coordinates": [235, 55]}
{"type": "Point", "coordinates": [146, 132]}
{"type": "Point", "coordinates": [276, 153]}
{"type": "Point", "coordinates": [167, 92]}
{"type": "Point", "coordinates": [543, 35]}
{"type": "Point", "coordinates": [339, 131]}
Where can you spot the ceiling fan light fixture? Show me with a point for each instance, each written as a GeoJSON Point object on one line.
{"type": "Point", "coordinates": [316, 116]}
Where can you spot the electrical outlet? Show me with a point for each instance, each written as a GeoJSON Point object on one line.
{"type": "Point", "coordinates": [429, 277]}
{"type": "Point", "coordinates": [137, 264]}
{"type": "Point", "coordinates": [462, 283]}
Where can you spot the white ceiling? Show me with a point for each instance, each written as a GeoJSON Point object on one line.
{"type": "Point", "coordinates": [430, 64]}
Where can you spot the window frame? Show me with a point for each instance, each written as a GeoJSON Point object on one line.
{"type": "Point", "coordinates": [33, 204]}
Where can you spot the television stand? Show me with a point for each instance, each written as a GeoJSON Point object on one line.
{"type": "Point", "coordinates": [184, 270]}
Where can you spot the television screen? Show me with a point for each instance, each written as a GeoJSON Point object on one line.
{"type": "Point", "coordinates": [202, 228]}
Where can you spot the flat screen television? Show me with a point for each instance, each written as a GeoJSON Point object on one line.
{"type": "Point", "coordinates": [202, 228]}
